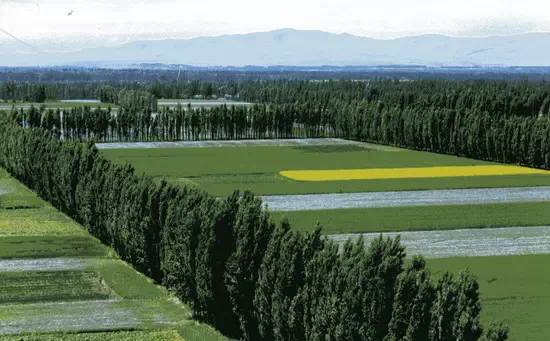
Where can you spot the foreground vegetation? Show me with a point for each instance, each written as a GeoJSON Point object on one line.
{"type": "Point", "coordinates": [56, 279]}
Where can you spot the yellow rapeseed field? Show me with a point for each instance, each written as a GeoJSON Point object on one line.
{"type": "Point", "coordinates": [407, 173]}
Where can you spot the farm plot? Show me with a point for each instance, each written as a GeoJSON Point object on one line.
{"type": "Point", "coordinates": [467, 243]}
{"type": "Point", "coordinates": [55, 278]}
{"type": "Point", "coordinates": [234, 143]}
{"type": "Point", "coordinates": [471, 194]}
{"type": "Point", "coordinates": [221, 170]}
{"type": "Point", "coordinates": [45, 286]}
{"type": "Point", "coordinates": [201, 103]}
{"type": "Point", "coordinates": [406, 198]}
{"type": "Point", "coordinates": [44, 264]}
{"type": "Point", "coordinates": [388, 219]}
{"type": "Point", "coordinates": [507, 292]}
{"type": "Point", "coordinates": [169, 335]}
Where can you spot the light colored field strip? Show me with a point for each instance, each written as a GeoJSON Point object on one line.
{"type": "Point", "coordinates": [237, 143]}
{"type": "Point", "coordinates": [201, 103]}
{"type": "Point", "coordinates": [89, 101]}
{"type": "Point", "coordinates": [81, 316]}
{"type": "Point", "coordinates": [3, 191]}
{"type": "Point", "coordinates": [66, 316]}
{"type": "Point", "coordinates": [311, 202]}
{"type": "Point", "coordinates": [407, 173]}
{"type": "Point", "coordinates": [45, 264]}
{"type": "Point", "coordinates": [468, 242]}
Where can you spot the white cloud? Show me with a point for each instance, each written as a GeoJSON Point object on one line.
{"type": "Point", "coordinates": [122, 19]}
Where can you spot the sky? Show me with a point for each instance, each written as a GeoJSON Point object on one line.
{"type": "Point", "coordinates": [114, 21]}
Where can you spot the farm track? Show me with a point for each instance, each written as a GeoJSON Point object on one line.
{"type": "Point", "coordinates": [311, 202]}
{"type": "Point", "coordinates": [239, 143]}
{"type": "Point", "coordinates": [503, 241]}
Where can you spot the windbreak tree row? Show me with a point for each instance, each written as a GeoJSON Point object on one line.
{"type": "Point", "coordinates": [237, 270]}
{"type": "Point", "coordinates": [500, 98]}
{"type": "Point", "coordinates": [180, 123]}
{"type": "Point", "coordinates": [469, 132]}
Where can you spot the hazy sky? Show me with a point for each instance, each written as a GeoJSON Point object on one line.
{"type": "Point", "coordinates": [127, 19]}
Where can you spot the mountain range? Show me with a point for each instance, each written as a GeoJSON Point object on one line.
{"type": "Point", "coordinates": [289, 47]}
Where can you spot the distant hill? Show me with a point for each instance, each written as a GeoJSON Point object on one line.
{"type": "Point", "coordinates": [307, 48]}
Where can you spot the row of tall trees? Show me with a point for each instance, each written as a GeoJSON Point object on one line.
{"type": "Point", "coordinates": [180, 123]}
{"type": "Point", "coordinates": [500, 98]}
{"type": "Point", "coordinates": [471, 132]}
{"type": "Point", "coordinates": [477, 134]}
{"type": "Point", "coordinates": [238, 270]}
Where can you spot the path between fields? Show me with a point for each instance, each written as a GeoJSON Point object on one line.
{"type": "Point", "coordinates": [468, 242]}
{"type": "Point", "coordinates": [311, 202]}
{"type": "Point", "coordinates": [237, 143]}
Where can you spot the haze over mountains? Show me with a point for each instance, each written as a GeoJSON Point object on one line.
{"type": "Point", "coordinates": [289, 47]}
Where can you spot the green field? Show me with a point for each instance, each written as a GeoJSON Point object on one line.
{"type": "Point", "coordinates": [515, 289]}
{"type": "Point", "coordinates": [55, 277]}
{"type": "Point", "coordinates": [43, 286]}
{"type": "Point", "coordinates": [392, 219]}
{"type": "Point", "coordinates": [220, 170]}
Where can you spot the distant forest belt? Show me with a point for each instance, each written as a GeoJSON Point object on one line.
{"type": "Point", "coordinates": [407, 173]}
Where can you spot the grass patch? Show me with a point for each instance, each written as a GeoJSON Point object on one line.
{"type": "Point", "coordinates": [24, 287]}
{"type": "Point", "coordinates": [393, 219]}
{"type": "Point", "coordinates": [221, 170]}
{"type": "Point", "coordinates": [408, 173]}
{"type": "Point", "coordinates": [512, 288]}
{"type": "Point", "coordinates": [127, 282]}
{"type": "Point", "coordinates": [90, 315]}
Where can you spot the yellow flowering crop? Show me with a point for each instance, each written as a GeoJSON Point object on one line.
{"type": "Point", "coordinates": [407, 173]}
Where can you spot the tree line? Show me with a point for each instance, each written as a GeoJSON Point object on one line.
{"type": "Point", "coordinates": [238, 270]}
{"type": "Point", "coordinates": [512, 97]}
{"type": "Point", "coordinates": [471, 132]}
{"type": "Point", "coordinates": [179, 123]}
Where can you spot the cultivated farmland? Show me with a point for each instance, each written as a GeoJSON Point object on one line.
{"type": "Point", "coordinates": [458, 197]}
{"type": "Point", "coordinates": [55, 278]}
{"type": "Point", "coordinates": [222, 168]}
{"type": "Point", "coordinates": [226, 259]}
